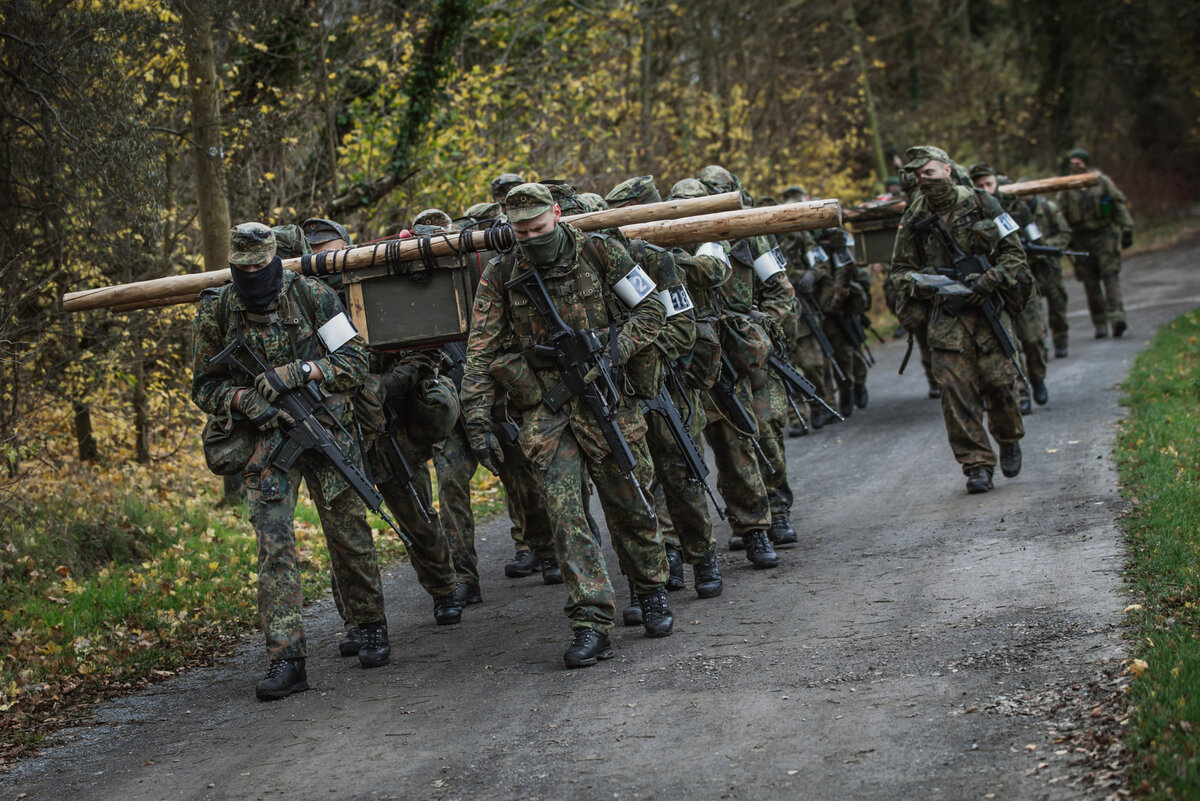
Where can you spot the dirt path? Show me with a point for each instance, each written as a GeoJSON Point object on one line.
{"type": "Point", "coordinates": [919, 642]}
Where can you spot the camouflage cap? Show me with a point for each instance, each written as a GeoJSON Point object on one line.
{"type": "Point", "coordinates": [794, 191]}
{"type": "Point", "coordinates": [318, 230]}
{"type": "Point", "coordinates": [980, 169]}
{"type": "Point", "coordinates": [718, 178]}
{"type": "Point", "coordinates": [290, 242]}
{"type": "Point", "coordinates": [251, 243]}
{"type": "Point", "coordinates": [488, 210]}
{"type": "Point", "coordinates": [593, 201]}
{"type": "Point", "coordinates": [767, 200]}
{"type": "Point", "coordinates": [527, 201]}
{"type": "Point", "coordinates": [503, 184]}
{"type": "Point", "coordinates": [921, 154]}
{"type": "Point", "coordinates": [432, 217]}
{"type": "Point", "coordinates": [688, 187]}
{"type": "Point", "coordinates": [634, 191]}
{"type": "Point", "coordinates": [1081, 154]}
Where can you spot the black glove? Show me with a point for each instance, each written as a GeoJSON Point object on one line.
{"type": "Point", "coordinates": [1126, 238]}
{"type": "Point", "coordinates": [485, 446]}
{"type": "Point", "coordinates": [278, 380]}
{"type": "Point", "coordinates": [261, 412]}
{"type": "Point", "coordinates": [397, 382]}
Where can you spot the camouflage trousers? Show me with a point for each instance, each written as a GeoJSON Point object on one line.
{"type": "Point", "coordinates": [357, 587]}
{"type": "Point", "coordinates": [686, 524]}
{"type": "Point", "coordinates": [455, 464]}
{"type": "Point", "coordinates": [807, 355]}
{"type": "Point", "coordinates": [634, 530]}
{"type": "Point", "coordinates": [1100, 274]}
{"type": "Point", "coordinates": [770, 410]}
{"type": "Point", "coordinates": [530, 528]}
{"type": "Point", "coordinates": [969, 379]}
{"type": "Point", "coordinates": [739, 479]}
{"type": "Point", "coordinates": [848, 357]}
{"type": "Point", "coordinates": [1048, 273]}
{"type": "Point", "coordinates": [1031, 333]}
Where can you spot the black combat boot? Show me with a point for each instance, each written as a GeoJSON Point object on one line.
{"type": "Point", "coordinates": [467, 593]}
{"type": "Point", "coordinates": [707, 577]}
{"type": "Point", "coordinates": [782, 532]}
{"type": "Point", "coordinates": [351, 642]}
{"type": "Point", "coordinates": [798, 429]}
{"type": "Point", "coordinates": [934, 390]}
{"type": "Point", "coordinates": [284, 677]}
{"type": "Point", "coordinates": [979, 479]}
{"type": "Point", "coordinates": [551, 572]}
{"type": "Point", "coordinates": [1025, 406]}
{"type": "Point", "coordinates": [1102, 333]}
{"type": "Point", "coordinates": [759, 551]}
{"type": "Point", "coordinates": [675, 580]}
{"type": "Point", "coordinates": [632, 614]}
{"type": "Point", "coordinates": [1040, 394]}
{"type": "Point", "coordinates": [376, 651]}
{"type": "Point", "coordinates": [1119, 328]}
{"type": "Point", "coordinates": [1010, 458]}
{"type": "Point", "coordinates": [447, 609]}
{"type": "Point", "coordinates": [846, 401]}
{"type": "Point", "coordinates": [818, 417]}
{"type": "Point", "coordinates": [587, 646]}
{"type": "Point", "coordinates": [522, 564]}
{"type": "Point", "coordinates": [860, 396]}
{"type": "Point", "coordinates": [656, 614]}
{"type": "Point", "coordinates": [1060, 351]}
{"type": "Point", "coordinates": [736, 543]}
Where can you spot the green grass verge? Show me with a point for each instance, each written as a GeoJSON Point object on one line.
{"type": "Point", "coordinates": [1158, 451]}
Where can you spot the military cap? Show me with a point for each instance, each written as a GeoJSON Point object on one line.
{"type": "Point", "coordinates": [527, 201]}
{"type": "Point", "coordinates": [594, 202]}
{"type": "Point", "coordinates": [688, 187]}
{"type": "Point", "coordinates": [487, 210]}
{"type": "Point", "coordinates": [918, 156]}
{"type": "Point", "coordinates": [794, 191]}
{"type": "Point", "coordinates": [318, 230]}
{"type": "Point", "coordinates": [503, 184]}
{"type": "Point", "coordinates": [980, 169]}
{"type": "Point", "coordinates": [718, 178]}
{"type": "Point", "coordinates": [633, 191]}
{"type": "Point", "coordinates": [290, 241]}
{"type": "Point", "coordinates": [251, 243]}
{"type": "Point", "coordinates": [1081, 154]}
{"type": "Point", "coordinates": [432, 217]}
{"type": "Point", "coordinates": [767, 200]}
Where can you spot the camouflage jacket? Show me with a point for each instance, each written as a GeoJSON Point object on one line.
{"type": "Point", "coordinates": [1095, 207]}
{"type": "Point", "coordinates": [678, 334]}
{"type": "Point", "coordinates": [286, 333]}
{"type": "Point", "coordinates": [973, 224]}
{"type": "Point", "coordinates": [1051, 224]}
{"type": "Point", "coordinates": [806, 257]}
{"type": "Point", "coordinates": [503, 322]}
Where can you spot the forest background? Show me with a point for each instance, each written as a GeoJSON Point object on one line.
{"type": "Point", "coordinates": [133, 133]}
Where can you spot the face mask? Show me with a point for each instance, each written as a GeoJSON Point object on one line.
{"type": "Point", "coordinates": [1079, 169]}
{"type": "Point", "coordinates": [258, 289]}
{"type": "Point", "coordinates": [548, 248]}
{"type": "Point", "coordinates": [940, 191]}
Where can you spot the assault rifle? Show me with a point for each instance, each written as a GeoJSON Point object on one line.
{"type": "Point", "coordinates": [725, 396]}
{"type": "Point", "coordinates": [402, 471]}
{"type": "Point", "coordinates": [812, 319]}
{"type": "Point", "coordinates": [578, 353]}
{"type": "Point", "coordinates": [663, 404]}
{"type": "Point", "coordinates": [851, 326]}
{"type": "Point", "coordinates": [797, 386]}
{"type": "Point", "coordinates": [961, 266]}
{"type": "Point", "coordinates": [306, 432]}
{"type": "Point", "coordinates": [1045, 250]}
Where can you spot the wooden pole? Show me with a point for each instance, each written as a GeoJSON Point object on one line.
{"type": "Point", "coordinates": [1044, 186]}
{"type": "Point", "coordinates": [735, 224]}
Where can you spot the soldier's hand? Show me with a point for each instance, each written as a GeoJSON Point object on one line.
{"type": "Point", "coordinates": [398, 381]}
{"type": "Point", "coordinates": [259, 411]}
{"type": "Point", "coordinates": [624, 350]}
{"type": "Point", "coordinates": [978, 294]}
{"type": "Point", "coordinates": [485, 446]}
{"type": "Point", "coordinates": [278, 380]}
{"type": "Point", "coordinates": [1127, 238]}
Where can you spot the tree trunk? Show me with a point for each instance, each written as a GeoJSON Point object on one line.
{"type": "Point", "coordinates": [141, 412]}
{"type": "Point", "coordinates": [89, 451]}
{"type": "Point", "coordinates": [207, 153]}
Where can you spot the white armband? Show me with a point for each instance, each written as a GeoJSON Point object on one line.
{"type": "Point", "coordinates": [714, 250]}
{"type": "Point", "coordinates": [337, 332]}
{"type": "Point", "coordinates": [635, 287]}
{"type": "Point", "coordinates": [676, 299]}
{"type": "Point", "coordinates": [767, 265]}
{"type": "Point", "coordinates": [1032, 232]}
{"type": "Point", "coordinates": [1006, 224]}
{"type": "Point", "coordinates": [816, 255]}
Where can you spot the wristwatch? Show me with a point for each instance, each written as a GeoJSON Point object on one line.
{"type": "Point", "coordinates": [306, 368]}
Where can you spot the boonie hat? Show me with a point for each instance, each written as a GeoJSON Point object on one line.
{"type": "Point", "coordinates": [251, 243]}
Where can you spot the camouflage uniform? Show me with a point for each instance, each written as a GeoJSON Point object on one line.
{"type": "Point", "coordinates": [967, 360]}
{"type": "Point", "coordinates": [1047, 270]}
{"type": "Point", "coordinates": [846, 296]}
{"type": "Point", "coordinates": [806, 258]}
{"type": "Point", "coordinates": [1028, 323]}
{"type": "Point", "coordinates": [1098, 218]}
{"type": "Point", "coordinates": [562, 443]}
{"type": "Point", "coordinates": [284, 334]}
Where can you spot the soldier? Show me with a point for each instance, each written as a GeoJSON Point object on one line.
{"type": "Point", "coordinates": [967, 359]}
{"type": "Point", "coordinates": [1027, 320]}
{"type": "Point", "coordinates": [487, 210]}
{"type": "Point", "coordinates": [503, 184]}
{"type": "Point", "coordinates": [558, 433]}
{"type": "Point", "coordinates": [1100, 225]}
{"type": "Point", "coordinates": [843, 305]}
{"type": "Point", "coordinates": [279, 313]}
{"type": "Point", "coordinates": [1050, 229]}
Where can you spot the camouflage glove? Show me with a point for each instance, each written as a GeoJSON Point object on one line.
{"type": "Point", "coordinates": [397, 382]}
{"type": "Point", "coordinates": [278, 380]}
{"type": "Point", "coordinates": [484, 445]}
{"type": "Point", "coordinates": [1126, 238]}
{"type": "Point", "coordinates": [624, 349]}
{"type": "Point", "coordinates": [259, 411]}
{"type": "Point", "coordinates": [981, 286]}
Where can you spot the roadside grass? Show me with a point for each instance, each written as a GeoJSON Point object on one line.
{"type": "Point", "coordinates": [1158, 452]}
{"type": "Point", "coordinates": [113, 576]}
